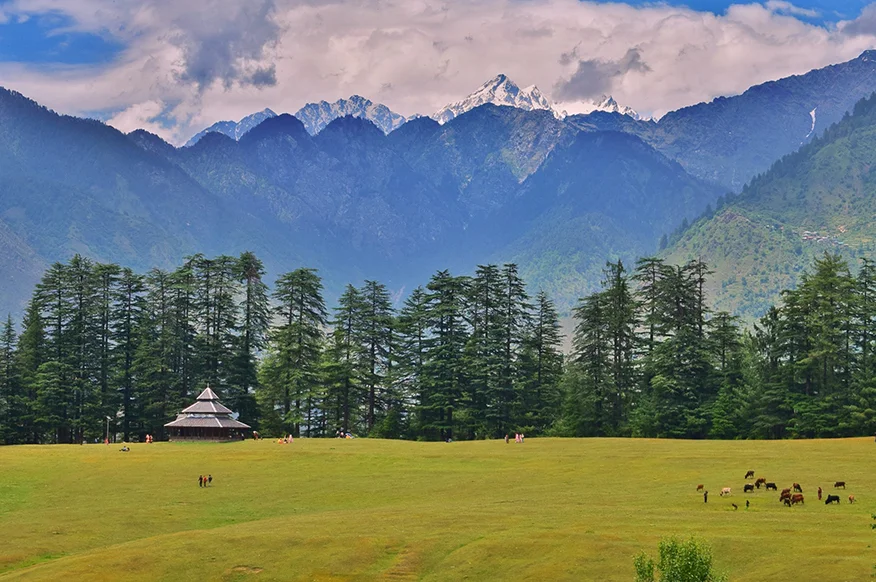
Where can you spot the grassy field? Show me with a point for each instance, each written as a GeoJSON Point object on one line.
{"type": "Point", "coordinates": [549, 509]}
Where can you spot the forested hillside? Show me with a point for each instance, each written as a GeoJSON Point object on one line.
{"type": "Point", "coordinates": [351, 201]}
{"type": "Point", "coordinates": [820, 198]}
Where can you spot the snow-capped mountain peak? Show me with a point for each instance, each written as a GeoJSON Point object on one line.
{"type": "Point", "coordinates": [500, 90]}
{"type": "Point", "coordinates": [234, 130]}
{"type": "Point", "coordinates": [605, 103]}
{"type": "Point", "coordinates": [316, 116]}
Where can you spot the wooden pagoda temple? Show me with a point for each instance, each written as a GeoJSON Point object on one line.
{"type": "Point", "coordinates": [206, 420]}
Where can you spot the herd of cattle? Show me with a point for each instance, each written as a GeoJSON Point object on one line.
{"type": "Point", "coordinates": [789, 496]}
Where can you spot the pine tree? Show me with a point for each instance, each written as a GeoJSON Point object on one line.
{"type": "Point", "coordinates": [9, 384]}
{"type": "Point", "coordinates": [254, 311]}
{"type": "Point", "coordinates": [375, 334]}
{"type": "Point", "coordinates": [127, 319]}
{"type": "Point", "coordinates": [412, 327]}
{"type": "Point", "coordinates": [445, 374]}
{"type": "Point", "coordinates": [542, 367]}
{"type": "Point", "coordinates": [30, 354]}
{"type": "Point", "coordinates": [290, 374]}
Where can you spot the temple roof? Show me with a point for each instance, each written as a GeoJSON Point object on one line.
{"type": "Point", "coordinates": [208, 394]}
{"type": "Point", "coordinates": [205, 413]}
{"type": "Point", "coordinates": [207, 407]}
{"type": "Point", "coordinates": [205, 422]}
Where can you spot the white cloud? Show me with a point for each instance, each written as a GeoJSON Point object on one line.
{"type": "Point", "coordinates": [141, 116]}
{"type": "Point", "coordinates": [788, 8]}
{"type": "Point", "coordinates": [206, 60]}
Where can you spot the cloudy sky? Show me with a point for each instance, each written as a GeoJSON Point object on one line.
{"type": "Point", "coordinates": [174, 67]}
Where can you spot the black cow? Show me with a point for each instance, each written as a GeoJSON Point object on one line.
{"type": "Point", "coordinates": [749, 474]}
{"type": "Point", "coordinates": [748, 487]}
{"type": "Point", "coordinates": [787, 501]}
{"type": "Point", "coordinates": [832, 499]}
{"type": "Point", "coordinates": [797, 488]}
{"type": "Point", "coordinates": [772, 486]}
{"type": "Point", "coordinates": [839, 484]}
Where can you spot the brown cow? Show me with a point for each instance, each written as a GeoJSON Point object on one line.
{"type": "Point", "coordinates": [749, 474]}
{"type": "Point", "coordinates": [797, 488]}
{"type": "Point", "coordinates": [759, 482]}
{"type": "Point", "coordinates": [699, 487]}
{"type": "Point", "coordinates": [786, 491]}
{"type": "Point", "coordinates": [851, 498]}
{"type": "Point", "coordinates": [839, 484]}
{"type": "Point", "coordinates": [796, 498]}
{"type": "Point", "coordinates": [785, 495]}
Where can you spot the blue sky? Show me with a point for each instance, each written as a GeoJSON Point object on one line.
{"type": "Point", "coordinates": [48, 38]}
{"type": "Point", "coordinates": [176, 66]}
{"type": "Point", "coordinates": [829, 10]}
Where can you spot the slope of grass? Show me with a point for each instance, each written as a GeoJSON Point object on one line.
{"type": "Point", "coordinates": [549, 509]}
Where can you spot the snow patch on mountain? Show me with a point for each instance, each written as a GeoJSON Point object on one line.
{"type": "Point", "coordinates": [315, 116]}
{"type": "Point", "coordinates": [499, 90]}
{"type": "Point", "coordinates": [234, 130]}
{"type": "Point", "coordinates": [605, 103]}
{"type": "Point", "coordinates": [812, 129]}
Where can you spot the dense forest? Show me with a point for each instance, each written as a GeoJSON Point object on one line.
{"type": "Point", "coordinates": [464, 357]}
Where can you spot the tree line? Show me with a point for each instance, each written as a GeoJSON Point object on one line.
{"type": "Point", "coordinates": [463, 357]}
{"type": "Point", "coordinates": [650, 359]}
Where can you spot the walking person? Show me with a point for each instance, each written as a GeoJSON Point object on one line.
{"type": "Point", "coordinates": [705, 496]}
{"type": "Point", "coordinates": [209, 479]}
{"type": "Point", "coordinates": [200, 480]}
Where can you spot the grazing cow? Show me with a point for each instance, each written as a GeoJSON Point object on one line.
{"type": "Point", "coordinates": [749, 474]}
{"type": "Point", "coordinates": [832, 499]}
{"type": "Point", "coordinates": [839, 484]}
{"type": "Point", "coordinates": [772, 486]}
{"type": "Point", "coordinates": [725, 491]}
{"type": "Point", "coordinates": [851, 498]}
{"type": "Point", "coordinates": [759, 482]}
{"type": "Point", "coordinates": [797, 488]}
{"type": "Point", "coordinates": [786, 491]}
{"type": "Point", "coordinates": [735, 507]}
{"type": "Point", "coordinates": [748, 487]}
{"type": "Point", "coordinates": [796, 498]}
{"type": "Point", "coordinates": [700, 487]}
{"type": "Point", "coordinates": [787, 501]}
{"type": "Point", "coordinates": [785, 495]}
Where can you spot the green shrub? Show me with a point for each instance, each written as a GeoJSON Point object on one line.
{"type": "Point", "coordinates": [680, 561]}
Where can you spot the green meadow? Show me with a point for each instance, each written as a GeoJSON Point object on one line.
{"type": "Point", "coordinates": [548, 509]}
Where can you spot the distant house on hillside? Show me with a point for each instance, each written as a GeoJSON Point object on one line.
{"type": "Point", "coordinates": [205, 420]}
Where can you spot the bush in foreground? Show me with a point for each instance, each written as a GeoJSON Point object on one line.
{"type": "Point", "coordinates": [680, 561]}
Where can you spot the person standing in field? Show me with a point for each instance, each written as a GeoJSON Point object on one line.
{"type": "Point", "coordinates": [209, 479]}
{"type": "Point", "coordinates": [705, 496]}
{"type": "Point", "coordinates": [506, 439]}
{"type": "Point", "coordinates": [200, 480]}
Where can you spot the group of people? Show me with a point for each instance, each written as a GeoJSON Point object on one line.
{"type": "Point", "coordinates": [518, 438]}
{"type": "Point", "coordinates": [149, 438]}
{"type": "Point", "coordinates": [285, 440]}
{"type": "Point", "coordinates": [342, 434]}
{"type": "Point", "coordinates": [204, 480]}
